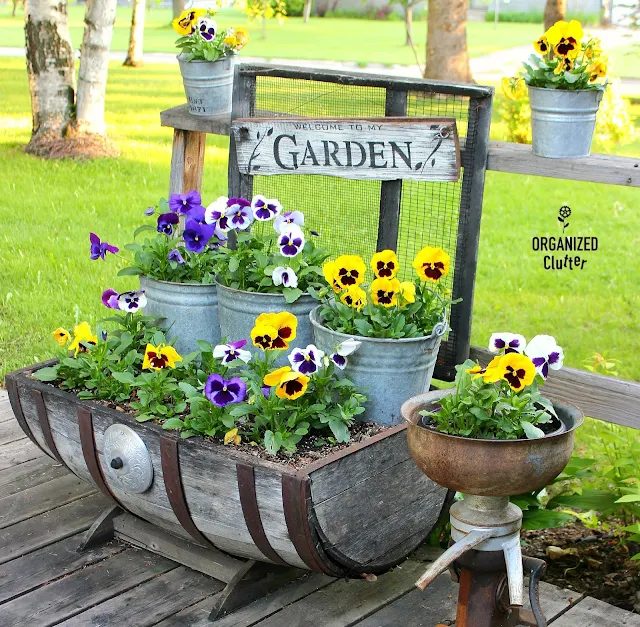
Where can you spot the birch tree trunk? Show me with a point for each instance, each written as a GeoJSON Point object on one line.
{"type": "Point", "coordinates": [50, 69]}
{"type": "Point", "coordinates": [408, 23]}
{"type": "Point", "coordinates": [306, 11]}
{"type": "Point", "coordinates": [447, 55]}
{"type": "Point", "coordinates": [554, 11]}
{"type": "Point", "coordinates": [136, 36]}
{"type": "Point", "coordinates": [178, 7]}
{"type": "Point", "coordinates": [94, 66]}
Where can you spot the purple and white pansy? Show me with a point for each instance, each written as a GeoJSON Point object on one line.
{"type": "Point", "coordinates": [291, 241]}
{"type": "Point", "coordinates": [132, 301]}
{"type": "Point", "coordinates": [239, 213]}
{"type": "Point", "coordinates": [207, 28]}
{"type": "Point", "coordinates": [289, 218]}
{"type": "Point", "coordinates": [502, 343]}
{"type": "Point", "coordinates": [265, 209]}
{"type": "Point", "coordinates": [285, 276]}
{"type": "Point", "coordinates": [110, 299]}
{"type": "Point", "coordinates": [545, 353]}
{"type": "Point", "coordinates": [232, 351]}
{"type": "Point", "coordinates": [167, 222]}
{"type": "Point", "coordinates": [215, 214]}
{"type": "Point", "coordinates": [343, 350]}
{"type": "Point", "coordinates": [222, 392]}
{"type": "Point", "coordinates": [306, 361]}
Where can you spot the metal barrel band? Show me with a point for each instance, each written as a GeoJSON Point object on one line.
{"type": "Point", "coordinates": [16, 406]}
{"type": "Point", "coordinates": [251, 512]}
{"type": "Point", "coordinates": [43, 419]}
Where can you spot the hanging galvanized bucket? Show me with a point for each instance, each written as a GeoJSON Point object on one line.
{"type": "Point", "coordinates": [208, 85]}
{"type": "Point", "coordinates": [563, 122]}
{"type": "Point", "coordinates": [389, 371]}
{"type": "Point", "coordinates": [189, 311]}
{"type": "Point", "coordinates": [238, 311]}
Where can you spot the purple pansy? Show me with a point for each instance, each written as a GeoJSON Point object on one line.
{"type": "Point", "coordinates": [184, 203]}
{"type": "Point", "coordinates": [150, 211]}
{"type": "Point", "coordinates": [110, 299]}
{"type": "Point", "coordinates": [100, 249]}
{"type": "Point", "coordinates": [222, 392]}
{"type": "Point", "coordinates": [284, 276]}
{"type": "Point", "coordinates": [290, 218]}
{"type": "Point", "coordinates": [197, 214]}
{"type": "Point", "coordinates": [339, 360]}
{"type": "Point", "coordinates": [265, 209]}
{"type": "Point", "coordinates": [545, 353]}
{"type": "Point", "coordinates": [343, 350]}
{"type": "Point", "coordinates": [266, 391]}
{"type": "Point", "coordinates": [502, 343]}
{"type": "Point", "coordinates": [215, 214]}
{"type": "Point", "coordinates": [197, 236]}
{"type": "Point", "coordinates": [291, 241]}
{"type": "Point", "coordinates": [231, 351]}
{"type": "Point", "coordinates": [175, 255]}
{"type": "Point", "coordinates": [207, 28]}
{"type": "Point", "coordinates": [132, 301]}
{"type": "Point", "coordinates": [239, 213]}
{"type": "Point", "coordinates": [166, 222]}
{"type": "Point", "coordinates": [104, 335]}
{"type": "Point", "coordinates": [306, 361]}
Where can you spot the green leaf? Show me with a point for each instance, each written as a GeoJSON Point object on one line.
{"type": "Point", "coordinates": [339, 429]}
{"type": "Point", "coordinates": [598, 500]}
{"type": "Point", "coordinates": [234, 264]}
{"type": "Point", "coordinates": [544, 519]}
{"type": "Point", "coordinates": [291, 294]}
{"type": "Point", "coordinates": [629, 498]}
{"type": "Point", "coordinates": [144, 417]}
{"type": "Point", "coordinates": [47, 374]}
{"type": "Point", "coordinates": [188, 389]}
{"type": "Point", "coordinates": [531, 431]}
{"type": "Point", "coordinates": [130, 271]}
{"type": "Point", "coordinates": [142, 229]}
{"type": "Point", "coordinates": [173, 423]}
{"type": "Point", "coordinates": [124, 377]}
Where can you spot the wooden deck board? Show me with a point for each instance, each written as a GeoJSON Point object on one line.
{"type": "Point", "coordinates": [30, 474]}
{"type": "Point", "coordinates": [10, 431]}
{"type": "Point", "coordinates": [18, 452]}
{"type": "Point", "coordinates": [593, 613]}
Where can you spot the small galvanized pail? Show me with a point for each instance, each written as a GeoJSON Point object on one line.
{"type": "Point", "coordinates": [389, 371]}
{"type": "Point", "coordinates": [189, 311]}
{"type": "Point", "coordinates": [563, 121]}
{"type": "Point", "coordinates": [239, 309]}
{"type": "Point", "coordinates": [208, 85]}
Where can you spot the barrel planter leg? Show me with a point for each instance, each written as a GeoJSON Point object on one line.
{"type": "Point", "coordinates": [101, 530]}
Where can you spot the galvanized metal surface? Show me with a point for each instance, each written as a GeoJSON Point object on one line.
{"type": "Point", "coordinates": [390, 371]}
{"type": "Point", "coordinates": [208, 85]}
{"type": "Point", "coordinates": [563, 122]}
{"type": "Point", "coordinates": [489, 467]}
{"type": "Point", "coordinates": [189, 311]}
{"type": "Point", "coordinates": [238, 311]}
{"type": "Point", "coordinates": [126, 459]}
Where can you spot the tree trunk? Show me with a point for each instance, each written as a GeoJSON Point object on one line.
{"type": "Point", "coordinates": [554, 11]}
{"type": "Point", "coordinates": [178, 7]}
{"type": "Point", "coordinates": [94, 65]}
{"type": "Point", "coordinates": [408, 24]}
{"type": "Point", "coordinates": [136, 36]}
{"type": "Point", "coordinates": [447, 55]}
{"type": "Point", "coordinates": [605, 13]}
{"type": "Point", "coordinates": [50, 69]}
{"type": "Point", "coordinates": [306, 11]}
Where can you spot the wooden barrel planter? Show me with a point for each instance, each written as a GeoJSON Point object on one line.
{"type": "Point", "coordinates": [359, 510]}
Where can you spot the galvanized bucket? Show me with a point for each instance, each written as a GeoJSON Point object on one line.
{"type": "Point", "coordinates": [563, 122]}
{"type": "Point", "coordinates": [390, 371]}
{"type": "Point", "coordinates": [189, 311]}
{"type": "Point", "coordinates": [238, 311]}
{"type": "Point", "coordinates": [208, 85]}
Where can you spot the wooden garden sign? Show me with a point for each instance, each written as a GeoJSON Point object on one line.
{"type": "Point", "coordinates": [382, 149]}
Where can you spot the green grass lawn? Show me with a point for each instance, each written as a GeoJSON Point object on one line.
{"type": "Point", "coordinates": [47, 209]}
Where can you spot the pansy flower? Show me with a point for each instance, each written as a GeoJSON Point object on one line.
{"type": "Point", "coordinates": [61, 336]}
{"type": "Point", "coordinates": [385, 264]}
{"type": "Point", "coordinates": [514, 87]}
{"type": "Point", "coordinates": [242, 37]}
{"type": "Point", "coordinates": [565, 64]}
{"type": "Point", "coordinates": [263, 336]}
{"type": "Point", "coordinates": [329, 271]}
{"type": "Point", "coordinates": [284, 324]}
{"type": "Point", "coordinates": [516, 369]}
{"type": "Point", "coordinates": [289, 383]}
{"type": "Point", "coordinates": [215, 214]}
{"type": "Point", "coordinates": [306, 361]}
{"type": "Point", "coordinates": [132, 301]}
{"type": "Point", "coordinates": [565, 38]}
{"type": "Point", "coordinates": [184, 203]}
{"type": "Point", "coordinates": [207, 28]}
{"type": "Point", "coordinates": [167, 222]}
{"type": "Point", "coordinates": [232, 437]}
{"type": "Point", "coordinates": [285, 276]}
{"type": "Point", "coordinates": [222, 392]}
{"type": "Point", "coordinates": [407, 291]}
{"type": "Point", "coordinates": [100, 249]}
{"type": "Point", "coordinates": [232, 351]}
{"type": "Point", "coordinates": [82, 337]}
{"type": "Point", "coordinates": [596, 70]}
{"type": "Point", "coordinates": [545, 353]}
{"type": "Point", "coordinates": [291, 241]}
{"type": "Point", "coordinates": [149, 211]}
{"type": "Point", "coordinates": [343, 350]}
{"type": "Point", "coordinates": [349, 270]}
{"type": "Point", "coordinates": [385, 292]}
{"type": "Point", "coordinates": [476, 371]}
{"type": "Point", "coordinates": [197, 236]}
{"type": "Point", "coordinates": [501, 343]}
{"type": "Point", "coordinates": [431, 264]}
{"type": "Point", "coordinates": [541, 45]}
{"type": "Point", "coordinates": [289, 218]}
{"type": "Point", "coordinates": [110, 299]}
{"type": "Point", "coordinates": [159, 357]}
{"type": "Point", "coordinates": [175, 255]}
{"type": "Point", "coordinates": [265, 209]}
{"type": "Point", "coordinates": [185, 23]}
{"type": "Point", "coordinates": [239, 213]}
{"type": "Point", "coordinates": [355, 297]}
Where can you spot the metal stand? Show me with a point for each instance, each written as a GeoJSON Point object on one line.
{"type": "Point", "coordinates": [246, 580]}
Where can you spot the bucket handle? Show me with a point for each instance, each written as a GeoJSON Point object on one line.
{"type": "Point", "coordinates": [441, 327]}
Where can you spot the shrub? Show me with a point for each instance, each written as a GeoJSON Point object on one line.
{"type": "Point", "coordinates": [537, 17]}
{"type": "Point", "coordinates": [295, 8]}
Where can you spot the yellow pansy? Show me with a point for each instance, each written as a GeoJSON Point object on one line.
{"type": "Point", "coordinates": [385, 292]}
{"type": "Point", "coordinates": [349, 270]}
{"type": "Point", "coordinates": [565, 64]}
{"type": "Point", "coordinates": [185, 23]}
{"type": "Point", "coordinates": [241, 37]}
{"type": "Point", "coordinates": [290, 384]}
{"type": "Point", "coordinates": [329, 272]}
{"type": "Point", "coordinates": [477, 371]}
{"type": "Point", "coordinates": [355, 297]}
{"type": "Point", "coordinates": [564, 30]}
{"type": "Point", "coordinates": [432, 264]}
{"type": "Point", "coordinates": [385, 264]}
{"type": "Point", "coordinates": [263, 336]}
{"type": "Point", "coordinates": [597, 69]}
{"type": "Point", "coordinates": [232, 437]}
{"type": "Point", "coordinates": [541, 45]}
{"type": "Point", "coordinates": [285, 325]}
{"type": "Point", "coordinates": [61, 336]}
{"type": "Point", "coordinates": [408, 292]}
{"type": "Point", "coordinates": [159, 357]}
{"type": "Point", "coordinates": [593, 48]}
{"type": "Point", "coordinates": [82, 333]}
{"type": "Point", "coordinates": [514, 87]}
{"type": "Point", "coordinates": [516, 369]}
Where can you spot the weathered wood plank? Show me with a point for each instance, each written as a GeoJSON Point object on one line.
{"type": "Point", "coordinates": [169, 593]}
{"type": "Point", "coordinates": [606, 398]}
{"type": "Point", "coordinates": [49, 563]}
{"type": "Point", "coordinates": [180, 118]}
{"type": "Point", "coordinates": [41, 498]}
{"type": "Point", "coordinates": [30, 535]}
{"type": "Point", "coordinates": [593, 613]}
{"type": "Point", "coordinates": [176, 174]}
{"type": "Point", "coordinates": [193, 161]}
{"type": "Point", "coordinates": [10, 431]}
{"type": "Point", "coordinates": [71, 595]}
{"type": "Point", "coordinates": [6, 413]}
{"type": "Point", "coordinates": [18, 452]}
{"type": "Point", "coordinates": [518, 159]}
{"type": "Point", "coordinates": [29, 474]}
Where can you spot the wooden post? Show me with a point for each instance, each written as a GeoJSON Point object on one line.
{"type": "Point", "coordinates": [187, 161]}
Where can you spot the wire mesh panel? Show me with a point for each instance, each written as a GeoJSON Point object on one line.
{"type": "Point", "coordinates": [362, 216]}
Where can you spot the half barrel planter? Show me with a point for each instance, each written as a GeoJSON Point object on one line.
{"type": "Point", "coordinates": [360, 510]}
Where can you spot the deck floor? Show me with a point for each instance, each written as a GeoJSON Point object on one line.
{"type": "Point", "coordinates": [44, 581]}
